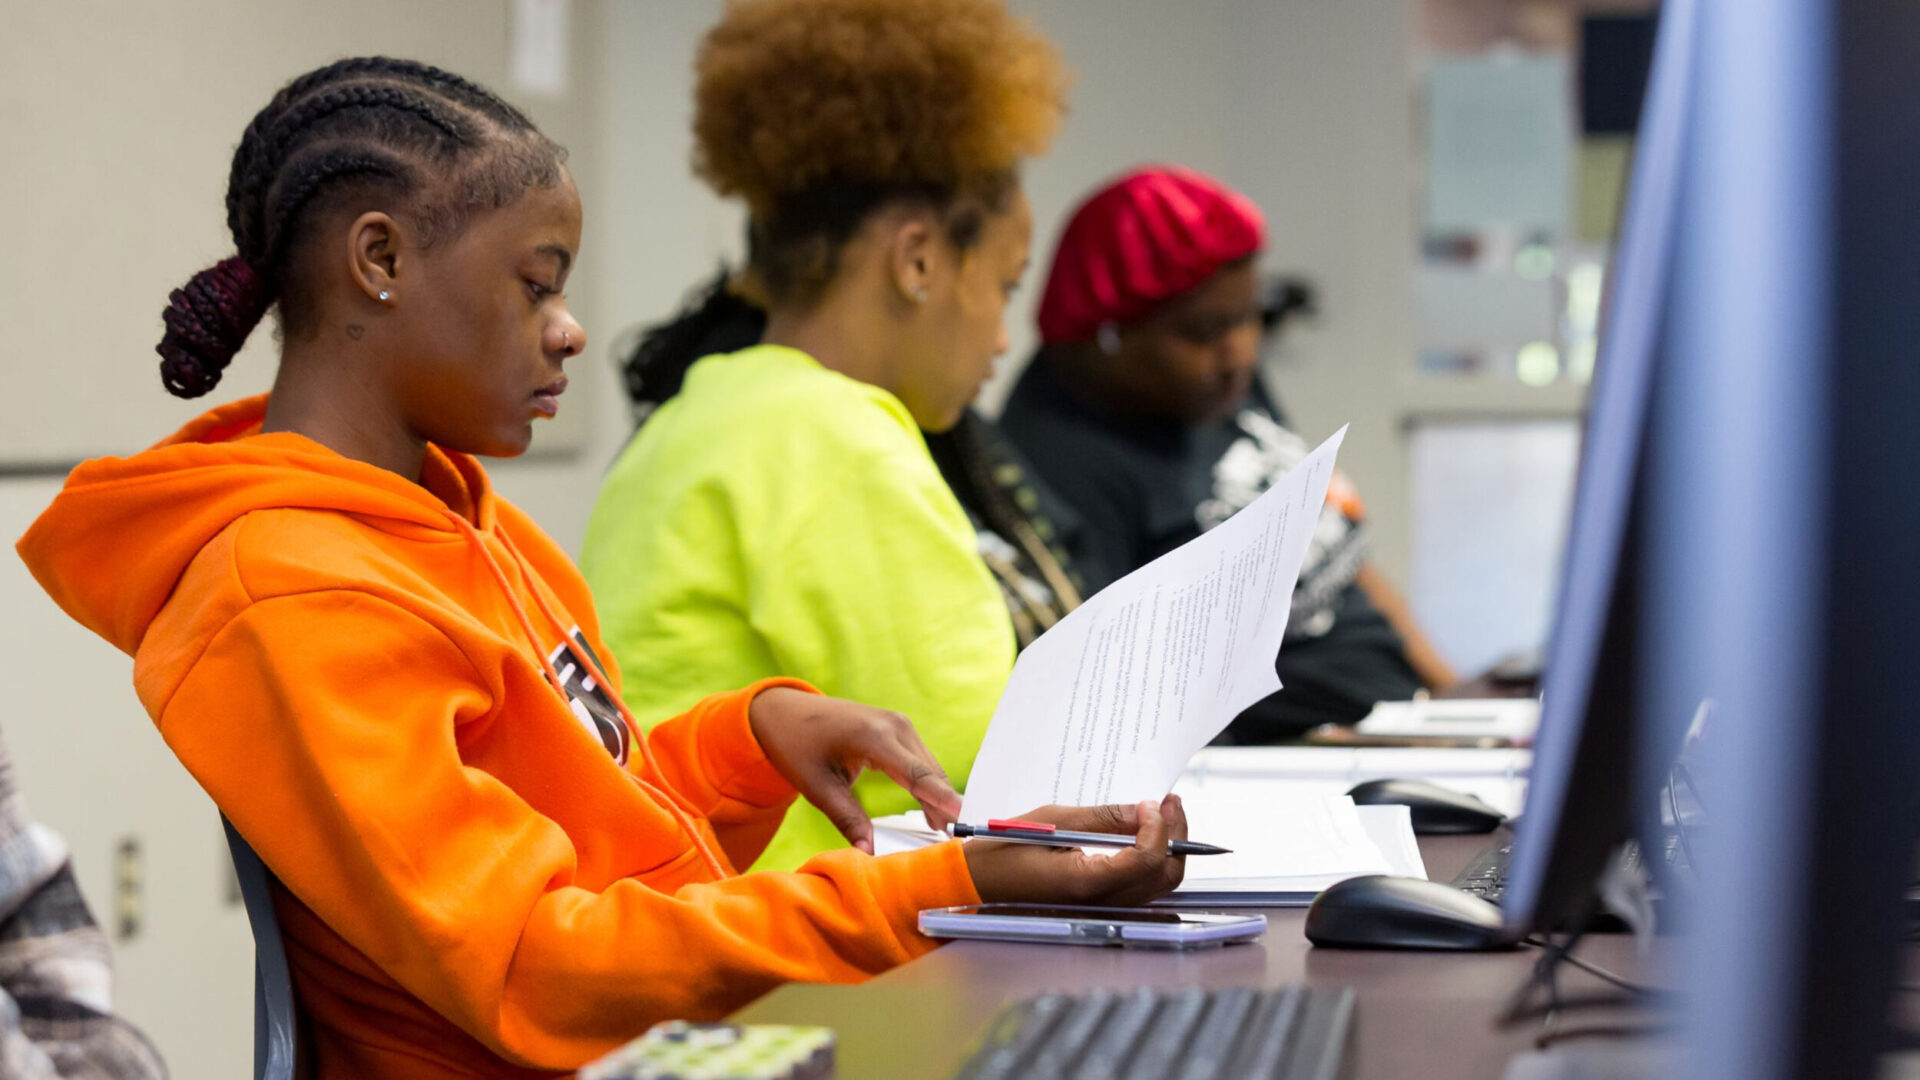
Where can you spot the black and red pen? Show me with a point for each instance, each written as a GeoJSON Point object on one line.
{"type": "Point", "coordinates": [1039, 832]}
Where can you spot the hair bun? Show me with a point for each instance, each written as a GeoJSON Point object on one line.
{"type": "Point", "coordinates": [208, 319]}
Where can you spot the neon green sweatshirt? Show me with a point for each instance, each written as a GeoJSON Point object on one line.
{"type": "Point", "coordinates": [777, 518]}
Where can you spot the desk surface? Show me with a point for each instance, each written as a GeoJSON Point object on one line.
{"type": "Point", "coordinates": [1420, 1014]}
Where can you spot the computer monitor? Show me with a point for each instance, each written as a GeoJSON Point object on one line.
{"type": "Point", "coordinates": [1745, 527]}
{"type": "Point", "coordinates": [1785, 514]}
{"type": "Point", "coordinates": [1580, 795]}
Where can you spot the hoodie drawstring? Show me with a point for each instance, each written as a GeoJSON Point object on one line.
{"type": "Point", "coordinates": [680, 811]}
{"type": "Point", "coordinates": [593, 662]}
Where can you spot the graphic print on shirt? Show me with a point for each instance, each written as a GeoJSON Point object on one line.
{"type": "Point", "coordinates": [1249, 467]}
{"type": "Point", "coordinates": [591, 703]}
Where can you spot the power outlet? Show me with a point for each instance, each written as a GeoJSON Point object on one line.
{"type": "Point", "coordinates": [129, 889]}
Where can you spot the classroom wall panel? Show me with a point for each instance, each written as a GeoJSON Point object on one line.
{"type": "Point", "coordinates": [121, 118]}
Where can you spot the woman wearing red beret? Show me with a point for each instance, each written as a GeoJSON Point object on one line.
{"type": "Point", "coordinates": [1143, 412]}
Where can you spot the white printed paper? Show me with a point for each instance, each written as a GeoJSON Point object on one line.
{"type": "Point", "coordinates": [1108, 705]}
{"type": "Point", "coordinates": [1390, 827]}
{"type": "Point", "coordinates": [1514, 719]}
{"type": "Point", "coordinates": [1495, 777]}
{"type": "Point", "coordinates": [1389, 830]}
{"type": "Point", "coordinates": [1284, 843]}
{"type": "Point", "coordinates": [1277, 833]}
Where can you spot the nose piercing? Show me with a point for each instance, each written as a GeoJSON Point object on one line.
{"type": "Point", "coordinates": [566, 341]}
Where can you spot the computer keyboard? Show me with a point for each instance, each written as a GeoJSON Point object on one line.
{"type": "Point", "coordinates": [1486, 876]}
{"type": "Point", "coordinates": [1292, 1033]}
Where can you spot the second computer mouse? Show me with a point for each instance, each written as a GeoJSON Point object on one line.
{"type": "Point", "coordinates": [1435, 810]}
{"type": "Point", "coordinates": [1380, 912]}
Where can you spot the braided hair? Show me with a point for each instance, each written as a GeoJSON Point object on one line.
{"type": "Point", "coordinates": [428, 143]}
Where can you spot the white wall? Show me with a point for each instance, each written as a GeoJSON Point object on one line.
{"type": "Point", "coordinates": [1322, 139]}
{"type": "Point", "coordinates": [123, 118]}
{"type": "Point", "coordinates": [1301, 102]}
{"type": "Point", "coordinates": [1148, 87]}
{"type": "Point", "coordinates": [1491, 503]}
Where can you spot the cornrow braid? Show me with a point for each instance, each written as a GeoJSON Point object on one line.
{"type": "Point", "coordinates": [245, 154]}
{"type": "Point", "coordinates": [431, 145]}
{"type": "Point", "coordinates": [323, 169]}
{"type": "Point", "coordinates": [297, 123]}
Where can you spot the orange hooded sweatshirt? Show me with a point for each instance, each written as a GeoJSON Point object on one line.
{"type": "Point", "coordinates": [397, 693]}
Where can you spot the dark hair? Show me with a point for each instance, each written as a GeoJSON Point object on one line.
{"type": "Point", "coordinates": [967, 455]}
{"type": "Point", "coordinates": [438, 145]}
{"type": "Point", "coordinates": [714, 319]}
{"type": "Point", "coordinates": [793, 252]}
{"type": "Point", "coordinates": [1002, 495]}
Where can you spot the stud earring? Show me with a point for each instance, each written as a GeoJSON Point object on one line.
{"type": "Point", "coordinates": [1108, 336]}
{"type": "Point", "coordinates": [920, 295]}
{"type": "Point", "coordinates": [385, 296]}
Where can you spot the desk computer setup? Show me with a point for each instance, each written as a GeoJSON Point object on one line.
{"type": "Point", "coordinates": [1707, 558]}
{"type": "Point", "coordinates": [1581, 788]}
{"type": "Point", "coordinates": [1672, 544]}
{"type": "Point", "coordinates": [1577, 805]}
{"type": "Point", "coordinates": [1737, 537]}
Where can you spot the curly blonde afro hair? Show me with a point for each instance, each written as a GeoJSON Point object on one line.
{"type": "Point", "coordinates": [939, 97]}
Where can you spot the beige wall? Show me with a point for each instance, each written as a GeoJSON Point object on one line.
{"type": "Point", "coordinates": [1321, 99]}
{"type": "Point", "coordinates": [1301, 102]}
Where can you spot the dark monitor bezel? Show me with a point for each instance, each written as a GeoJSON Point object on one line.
{"type": "Point", "coordinates": [1579, 800]}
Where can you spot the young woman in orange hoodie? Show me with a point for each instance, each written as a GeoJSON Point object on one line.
{"type": "Point", "coordinates": [393, 683]}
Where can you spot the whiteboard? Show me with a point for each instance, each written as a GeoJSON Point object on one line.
{"type": "Point", "coordinates": [121, 118]}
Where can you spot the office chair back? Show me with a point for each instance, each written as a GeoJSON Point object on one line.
{"type": "Point", "coordinates": [275, 1020]}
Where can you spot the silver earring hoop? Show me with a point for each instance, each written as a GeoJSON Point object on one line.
{"type": "Point", "coordinates": [385, 296]}
{"type": "Point", "coordinates": [1108, 337]}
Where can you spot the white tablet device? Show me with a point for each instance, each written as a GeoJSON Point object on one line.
{"type": "Point", "coordinates": [1063, 925]}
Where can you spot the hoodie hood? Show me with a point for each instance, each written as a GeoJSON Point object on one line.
{"type": "Point", "coordinates": [117, 539]}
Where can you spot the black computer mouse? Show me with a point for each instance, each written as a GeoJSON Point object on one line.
{"type": "Point", "coordinates": [1436, 810]}
{"type": "Point", "coordinates": [1381, 912]}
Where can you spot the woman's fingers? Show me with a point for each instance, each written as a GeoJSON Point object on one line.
{"type": "Point", "coordinates": [1139, 873]}
{"type": "Point", "coordinates": [925, 780]}
{"type": "Point", "coordinates": [1175, 813]}
{"type": "Point", "coordinates": [1121, 819]}
{"type": "Point", "coordinates": [832, 792]}
{"type": "Point", "coordinates": [1132, 875]}
{"type": "Point", "coordinates": [891, 745]}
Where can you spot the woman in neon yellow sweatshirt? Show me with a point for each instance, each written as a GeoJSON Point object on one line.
{"type": "Point", "coordinates": [781, 513]}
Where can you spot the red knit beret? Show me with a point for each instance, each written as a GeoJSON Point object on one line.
{"type": "Point", "coordinates": [1149, 236]}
